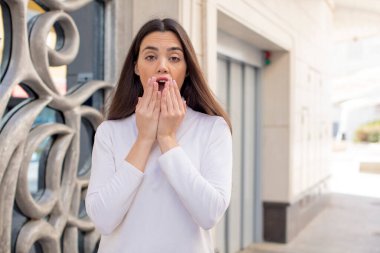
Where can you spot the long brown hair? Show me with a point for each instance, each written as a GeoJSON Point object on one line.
{"type": "Point", "coordinates": [195, 90]}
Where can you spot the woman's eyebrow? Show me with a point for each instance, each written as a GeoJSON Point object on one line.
{"type": "Point", "coordinates": [174, 49]}
{"type": "Point", "coordinates": [156, 49]}
{"type": "Point", "coordinates": [150, 48]}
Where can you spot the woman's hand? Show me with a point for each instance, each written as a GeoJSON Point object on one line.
{"type": "Point", "coordinates": [173, 110]}
{"type": "Point", "coordinates": [147, 115]}
{"type": "Point", "coordinates": [148, 112]}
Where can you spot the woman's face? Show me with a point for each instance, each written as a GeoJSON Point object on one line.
{"type": "Point", "coordinates": [161, 55]}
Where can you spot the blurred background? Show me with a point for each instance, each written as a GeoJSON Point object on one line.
{"type": "Point", "coordinates": [299, 78]}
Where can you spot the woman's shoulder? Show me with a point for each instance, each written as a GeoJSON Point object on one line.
{"type": "Point", "coordinates": [208, 121]}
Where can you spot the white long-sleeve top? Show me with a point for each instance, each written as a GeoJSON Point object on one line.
{"type": "Point", "coordinates": [172, 206]}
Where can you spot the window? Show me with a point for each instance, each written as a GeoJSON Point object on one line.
{"type": "Point", "coordinates": [49, 121]}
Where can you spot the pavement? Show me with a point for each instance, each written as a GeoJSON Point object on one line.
{"type": "Point", "coordinates": [351, 221]}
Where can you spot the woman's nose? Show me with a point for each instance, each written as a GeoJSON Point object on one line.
{"type": "Point", "coordinates": [162, 68]}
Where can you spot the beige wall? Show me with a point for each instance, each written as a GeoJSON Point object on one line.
{"type": "Point", "coordinates": [296, 120]}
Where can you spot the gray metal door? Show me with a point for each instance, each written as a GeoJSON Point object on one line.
{"type": "Point", "coordinates": [237, 84]}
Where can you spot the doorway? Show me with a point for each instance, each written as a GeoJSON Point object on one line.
{"type": "Point", "coordinates": [238, 92]}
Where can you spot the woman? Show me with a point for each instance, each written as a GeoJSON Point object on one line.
{"type": "Point", "coordinates": [162, 162]}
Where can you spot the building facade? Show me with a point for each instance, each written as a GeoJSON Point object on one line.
{"type": "Point", "coordinates": [266, 61]}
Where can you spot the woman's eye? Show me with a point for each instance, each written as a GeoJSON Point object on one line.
{"type": "Point", "coordinates": [174, 59]}
{"type": "Point", "coordinates": [150, 57]}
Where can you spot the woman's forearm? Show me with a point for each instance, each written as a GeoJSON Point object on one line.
{"type": "Point", "coordinates": [139, 153]}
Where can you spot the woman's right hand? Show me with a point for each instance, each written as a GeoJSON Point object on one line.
{"type": "Point", "coordinates": [148, 112]}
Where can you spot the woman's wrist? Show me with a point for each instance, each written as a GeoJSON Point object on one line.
{"type": "Point", "coordinates": [145, 141]}
{"type": "Point", "coordinates": [139, 153]}
{"type": "Point", "coordinates": [167, 142]}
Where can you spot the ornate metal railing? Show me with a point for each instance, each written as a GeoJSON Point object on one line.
{"type": "Point", "coordinates": [52, 219]}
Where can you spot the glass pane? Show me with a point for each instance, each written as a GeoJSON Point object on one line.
{"type": "Point", "coordinates": [36, 248]}
{"type": "Point", "coordinates": [37, 168]}
{"type": "Point", "coordinates": [82, 207]}
{"type": "Point", "coordinates": [81, 241]}
{"type": "Point", "coordinates": [5, 37]}
{"type": "Point", "coordinates": [21, 95]}
{"type": "Point", "coordinates": [48, 115]}
{"type": "Point", "coordinates": [87, 133]}
{"type": "Point", "coordinates": [1, 35]}
{"type": "Point", "coordinates": [89, 63]}
{"type": "Point", "coordinates": [96, 100]}
{"type": "Point", "coordinates": [18, 221]}
{"type": "Point", "coordinates": [37, 165]}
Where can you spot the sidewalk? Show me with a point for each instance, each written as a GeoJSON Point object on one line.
{"type": "Point", "coordinates": [351, 222]}
{"type": "Point", "coordinates": [346, 175]}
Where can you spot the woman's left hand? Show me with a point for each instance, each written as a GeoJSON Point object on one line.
{"type": "Point", "coordinates": [173, 110]}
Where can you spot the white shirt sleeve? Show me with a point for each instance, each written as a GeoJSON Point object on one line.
{"type": "Point", "coordinates": [113, 184]}
{"type": "Point", "coordinates": [204, 192]}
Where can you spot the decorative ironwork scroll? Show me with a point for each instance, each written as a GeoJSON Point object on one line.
{"type": "Point", "coordinates": [54, 220]}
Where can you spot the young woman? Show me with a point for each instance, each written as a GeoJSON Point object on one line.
{"type": "Point", "coordinates": [162, 162]}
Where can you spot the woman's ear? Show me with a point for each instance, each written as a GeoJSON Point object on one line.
{"type": "Point", "coordinates": [137, 70]}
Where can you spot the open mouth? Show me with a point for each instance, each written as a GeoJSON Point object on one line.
{"type": "Point", "coordinates": [161, 83]}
